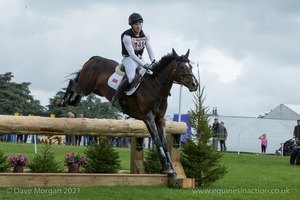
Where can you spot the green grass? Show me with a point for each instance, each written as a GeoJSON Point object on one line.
{"type": "Point", "coordinates": [250, 177]}
{"type": "Point", "coordinates": [12, 149]}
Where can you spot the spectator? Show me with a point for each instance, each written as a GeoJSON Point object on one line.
{"type": "Point", "coordinates": [222, 136]}
{"type": "Point", "coordinates": [11, 138]}
{"type": "Point", "coordinates": [216, 127]}
{"type": "Point", "coordinates": [264, 143]}
{"type": "Point", "coordinates": [69, 138]}
{"type": "Point", "coordinates": [25, 137]}
{"type": "Point", "coordinates": [20, 138]}
{"type": "Point", "coordinates": [78, 137]}
{"type": "Point", "coordinates": [85, 140]}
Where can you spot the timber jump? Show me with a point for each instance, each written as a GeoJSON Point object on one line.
{"type": "Point", "coordinates": [135, 129]}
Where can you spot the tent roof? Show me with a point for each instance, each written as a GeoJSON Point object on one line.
{"type": "Point", "coordinates": [293, 107]}
{"type": "Point", "coordinates": [284, 111]}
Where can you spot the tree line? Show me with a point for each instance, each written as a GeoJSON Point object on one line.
{"type": "Point", "coordinates": [17, 98]}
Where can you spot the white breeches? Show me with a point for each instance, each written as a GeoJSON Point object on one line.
{"type": "Point", "coordinates": [130, 67]}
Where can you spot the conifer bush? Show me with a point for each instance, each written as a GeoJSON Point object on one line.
{"type": "Point", "coordinates": [4, 167]}
{"type": "Point", "coordinates": [199, 158]}
{"type": "Point", "coordinates": [44, 161]}
{"type": "Point", "coordinates": [151, 161]}
{"type": "Point", "coordinates": [101, 157]}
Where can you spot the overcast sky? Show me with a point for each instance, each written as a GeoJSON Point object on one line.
{"type": "Point", "coordinates": [247, 50]}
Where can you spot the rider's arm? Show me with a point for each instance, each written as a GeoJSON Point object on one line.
{"type": "Point", "coordinates": [149, 48]}
{"type": "Point", "coordinates": [127, 43]}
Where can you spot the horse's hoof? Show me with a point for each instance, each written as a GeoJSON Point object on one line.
{"type": "Point", "coordinates": [172, 175]}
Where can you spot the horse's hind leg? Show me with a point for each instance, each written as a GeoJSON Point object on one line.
{"type": "Point", "coordinates": [76, 100]}
{"type": "Point", "coordinates": [67, 98]}
{"type": "Point", "coordinates": [73, 89]}
{"type": "Point", "coordinates": [67, 95]}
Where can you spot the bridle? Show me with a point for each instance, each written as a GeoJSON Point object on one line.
{"type": "Point", "coordinates": [181, 75]}
{"type": "Point", "coordinates": [177, 70]}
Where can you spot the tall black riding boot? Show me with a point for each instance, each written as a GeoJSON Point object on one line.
{"type": "Point", "coordinates": [122, 87]}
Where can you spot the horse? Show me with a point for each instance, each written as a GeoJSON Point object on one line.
{"type": "Point", "coordinates": [148, 103]}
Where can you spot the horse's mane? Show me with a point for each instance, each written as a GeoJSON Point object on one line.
{"type": "Point", "coordinates": [164, 61]}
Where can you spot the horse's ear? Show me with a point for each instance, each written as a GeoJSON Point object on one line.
{"type": "Point", "coordinates": [187, 53]}
{"type": "Point", "coordinates": [175, 54]}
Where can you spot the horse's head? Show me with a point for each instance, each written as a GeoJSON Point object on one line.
{"type": "Point", "coordinates": [184, 71]}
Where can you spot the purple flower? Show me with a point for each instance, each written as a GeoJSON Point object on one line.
{"type": "Point", "coordinates": [73, 159]}
{"type": "Point", "coordinates": [18, 160]}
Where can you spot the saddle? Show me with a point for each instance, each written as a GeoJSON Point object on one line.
{"type": "Point", "coordinates": [120, 69]}
{"type": "Point", "coordinates": [119, 74]}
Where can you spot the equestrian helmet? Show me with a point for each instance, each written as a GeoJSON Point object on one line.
{"type": "Point", "coordinates": [135, 18]}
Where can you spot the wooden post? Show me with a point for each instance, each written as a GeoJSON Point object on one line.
{"type": "Point", "coordinates": [174, 146]}
{"type": "Point", "coordinates": [137, 156]}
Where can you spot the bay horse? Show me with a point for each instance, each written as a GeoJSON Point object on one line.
{"type": "Point", "coordinates": [148, 103]}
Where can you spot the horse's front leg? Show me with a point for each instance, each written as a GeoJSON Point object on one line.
{"type": "Point", "coordinates": [150, 123]}
{"type": "Point", "coordinates": [161, 125]}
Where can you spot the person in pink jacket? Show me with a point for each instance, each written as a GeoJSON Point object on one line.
{"type": "Point", "coordinates": [264, 143]}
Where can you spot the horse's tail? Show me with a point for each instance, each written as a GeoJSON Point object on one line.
{"type": "Point", "coordinates": [65, 100]}
{"type": "Point", "coordinates": [75, 75]}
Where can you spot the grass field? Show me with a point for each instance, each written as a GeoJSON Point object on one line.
{"type": "Point", "coordinates": [250, 177]}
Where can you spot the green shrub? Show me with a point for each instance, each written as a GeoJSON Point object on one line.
{"type": "Point", "coordinates": [151, 162]}
{"type": "Point", "coordinates": [199, 158]}
{"type": "Point", "coordinates": [101, 157]}
{"type": "Point", "coordinates": [44, 162]}
{"type": "Point", "coordinates": [4, 167]}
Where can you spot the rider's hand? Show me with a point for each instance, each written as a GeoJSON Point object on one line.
{"type": "Point", "coordinates": [153, 62]}
{"type": "Point", "coordinates": [147, 66]}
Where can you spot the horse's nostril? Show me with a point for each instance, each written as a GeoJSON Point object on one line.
{"type": "Point", "coordinates": [193, 85]}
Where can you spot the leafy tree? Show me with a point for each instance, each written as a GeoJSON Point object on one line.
{"type": "Point", "coordinates": [90, 106]}
{"type": "Point", "coordinates": [199, 157]}
{"type": "Point", "coordinates": [15, 97]}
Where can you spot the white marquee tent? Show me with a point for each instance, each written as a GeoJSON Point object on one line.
{"type": "Point", "coordinates": [243, 133]}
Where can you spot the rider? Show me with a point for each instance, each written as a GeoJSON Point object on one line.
{"type": "Point", "coordinates": [133, 40]}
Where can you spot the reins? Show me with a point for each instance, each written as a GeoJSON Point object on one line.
{"type": "Point", "coordinates": [163, 89]}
